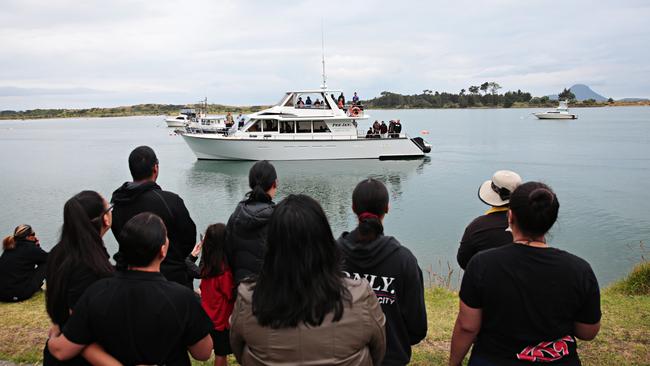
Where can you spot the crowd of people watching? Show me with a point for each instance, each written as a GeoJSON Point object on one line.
{"type": "Point", "coordinates": [381, 130]}
{"type": "Point", "coordinates": [276, 286]}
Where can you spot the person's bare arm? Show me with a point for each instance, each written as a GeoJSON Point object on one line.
{"type": "Point", "coordinates": [586, 332]}
{"type": "Point", "coordinates": [468, 324]}
{"type": "Point", "coordinates": [62, 349]}
{"type": "Point", "coordinates": [202, 350]}
{"type": "Point", "coordinates": [96, 355]}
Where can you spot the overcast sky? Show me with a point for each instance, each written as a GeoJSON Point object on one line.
{"type": "Point", "coordinates": [71, 53]}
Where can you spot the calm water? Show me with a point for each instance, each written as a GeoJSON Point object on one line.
{"type": "Point", "coordinates": [599, 166]}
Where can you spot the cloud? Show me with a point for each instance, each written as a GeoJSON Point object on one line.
{"type": "Point", "coordinates": [245, 52]}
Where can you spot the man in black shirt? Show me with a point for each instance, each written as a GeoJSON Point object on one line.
{"type": "Point", "coordinates": [490, 230]}
{"type": "Point", "coordinates": [144, 195]}
{"type": "Point", "coordinates": [138, 316]}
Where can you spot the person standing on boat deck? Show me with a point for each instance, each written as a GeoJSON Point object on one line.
{"type": "Point", "coordinates": [398, 127]}
{"type": "Point", "coordinates": [490, 229]}
{"type": "Point", "coordinates": [317, 103]}
{"type": "Point", "coordinates": [391, 269]}
{"type": "Point", "coordinates": [526, 302]}
{"type": "Point", "coordinates": [391, 127]}
{"type": "Point", "coordinates": [341, 98]}
{"type": "Point", "coordinates": [137, 316]}
{"type": "Point", "coordinates": [247, 226]}
{"type": "Point", "coordinates": [300, 103]}
{"type": "Point", "coordinates": [355, 99]}
{"type": "Point", "coordinates": [144, 195]}
{"type": "Point", "coordinates": [229, 120]}
{"type": "Point", "coordinates": [383, 129]}
{"type": "Point", "coordinates": [376, 127]}
{"type": "Point", "coordinates": [22, 265]}
{"type": "Point", "coordinates": [308, 100]}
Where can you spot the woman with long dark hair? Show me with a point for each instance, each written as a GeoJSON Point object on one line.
{"type": "Point", "coordinates": [246, 228]}
{"type": "Point", "coordinates": [526, 301]}
{"type": "Point", "coordinates": [78, 260]}
{"type": "Point", "coordinates": [22, 265]}
{"type": "Point", "coordinates": [302, 309]}
{"type": "Point", "coordinates": [391, 268]}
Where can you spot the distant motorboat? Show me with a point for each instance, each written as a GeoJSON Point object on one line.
{"type": "Point", "coordinates": [207, 124]}
{"type": "Point", "coordinates": [184, 117]}
{"type": "Point", "coordinates": [561, 112]}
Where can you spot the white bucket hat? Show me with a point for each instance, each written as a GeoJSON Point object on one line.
{"type": "Point", "coordinates": [496, 192]}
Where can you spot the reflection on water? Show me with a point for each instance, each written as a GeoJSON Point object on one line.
{"type": "Point", "coordinates": [329, 182]}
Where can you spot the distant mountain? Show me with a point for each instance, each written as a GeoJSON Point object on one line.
{"type": "Point", "coordinates": [582, 92]}
{"type": "Point", "coordinates": [633, 100]}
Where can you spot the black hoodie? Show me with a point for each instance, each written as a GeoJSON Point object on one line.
{"type": "Point", "coordinates": [133, 198]}
{"type": "Point", "coordinates": [246, 238]}
{"type": "Point", "coordinates": [396, 278]}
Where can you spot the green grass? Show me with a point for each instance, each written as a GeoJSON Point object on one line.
{"type": "Point", "coordinates": [624, 338]}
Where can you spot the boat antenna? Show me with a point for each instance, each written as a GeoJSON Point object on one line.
{"type": "Point", "coordinates": [322, 42]}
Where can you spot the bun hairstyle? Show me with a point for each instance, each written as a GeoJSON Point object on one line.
{"type": "Point", "coordinates": [80, 244]}
{"type": "Point", "coordinates": [369, 202]}
{"type": "Point", "coordinates": [535, 207]}
{"type": "Point", "coordinates": [20, 232]}
{"type": "Point", "coordinates": [141, 239]}
{"type": "Point", "coordinates": [261, 178]}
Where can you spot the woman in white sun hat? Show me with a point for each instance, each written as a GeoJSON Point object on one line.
{"type": "Point", "coordinates": [490, 229]}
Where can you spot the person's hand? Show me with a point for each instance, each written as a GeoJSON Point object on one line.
{"type": "Point", "coordinates": [54, 331]}
{"type": "Point", "coordinates": [197, 248]}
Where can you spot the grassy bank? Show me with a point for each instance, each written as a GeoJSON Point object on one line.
{"type": "Point", "coordinates": [623, 340]}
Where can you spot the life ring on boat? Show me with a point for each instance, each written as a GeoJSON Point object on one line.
{"type": "Point", "coordinates": [355, 112]}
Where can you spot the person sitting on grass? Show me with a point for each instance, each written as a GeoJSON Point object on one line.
{"type": "Point", "coordinates": [138, 316]}
{"type": "Point", "coordinates": [217, 287]}
{"type": "Point", "coordinates": [22, 265]}
{"type": "Point", "coordinates": [526, 302]}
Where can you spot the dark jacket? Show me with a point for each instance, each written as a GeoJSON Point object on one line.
{"type": "Point", "coordinates": [246, 237]}
{"type": "Point", "coordinates": [134, 198]}
{"type": "Point", "coordinates": [485, 232]}
{"type": "Point", "coordinates": [394, 275]}
{"type": "Point", "coordinates": [22, 270]}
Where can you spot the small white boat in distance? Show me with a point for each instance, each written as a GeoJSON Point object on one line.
{"type": "Point", "coordinates": [184, 117]}
{"type": "Point", "coordinates": [298, 128]}
{"type": "Point", "coordinates": [207, 124]}
{"type": "Point", "coordinates": [561, 112]}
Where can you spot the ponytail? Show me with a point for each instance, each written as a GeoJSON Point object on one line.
{"type": "Point", "coordinates": [8, 243]}
{"type": "Point", "coordinates": [20, 232]}
{"type": "Point", "coordinates": [369, 202]}
{"type": "Point", "coordinates": [261, 178]}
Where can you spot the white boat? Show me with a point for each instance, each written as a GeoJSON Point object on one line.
{"type": "Point", "coordinates": [294, 130]}
{"type": "Point", "coordinates": [207, 124]}
{"type": "Point", "coordinates": [561, 112]}
{"type": "Point", "coordinates": [182, 119]}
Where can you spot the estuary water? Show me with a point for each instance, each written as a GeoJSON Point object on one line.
{"type": "Point", "coordinates": [599, 166]}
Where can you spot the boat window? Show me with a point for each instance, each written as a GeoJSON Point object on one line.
{"type": "Point", "coordinates": [271, 125]}
{"type": "Point", "coordinates": [303, 126]}
{"type": "Point", "coordinates": [320, 126]}
{"type": "Point", "coordinates": [286, 127]}
{"type": "Point", "coordinates": [289, 102]}
{"type": "Point", "coordinates": [255, 127]}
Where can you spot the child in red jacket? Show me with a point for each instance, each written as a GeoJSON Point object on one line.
{"type": "Point", "coordinates": [217, 287]}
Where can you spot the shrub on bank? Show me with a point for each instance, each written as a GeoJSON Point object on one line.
{"type": "Point", "coordinates": [637, 282]}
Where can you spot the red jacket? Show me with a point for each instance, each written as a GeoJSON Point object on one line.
{"type": "Point", "coordinates": [217, 298]}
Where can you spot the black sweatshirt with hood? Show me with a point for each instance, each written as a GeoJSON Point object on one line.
{"type": "Point", "coordinates": [133, 198]}
{"type": "Point", "coordinates": [394, 275]}
{"type": "Point", "coordinates": [246, 238]}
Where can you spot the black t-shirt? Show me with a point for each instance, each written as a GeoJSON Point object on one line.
{"type": "Point", "coordinates": [139, 318]}
{"type": "Point", "coordinates": [485, 232]}
{"type": "Point", "coordinates": [530, 297]}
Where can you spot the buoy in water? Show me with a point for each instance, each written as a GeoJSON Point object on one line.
{"type": "Point", "coordinates": [424, 132]}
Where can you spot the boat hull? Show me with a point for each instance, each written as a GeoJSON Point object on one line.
{"type": "Point", "coordinates": [555, 116]}
{"type": "Point", "coordinates": [227, 148]}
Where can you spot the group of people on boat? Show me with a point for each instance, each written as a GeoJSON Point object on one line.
{"type": "Point", "coordinates": [381, 130]}
{"type": "Point", "coordinates": [276, 287]}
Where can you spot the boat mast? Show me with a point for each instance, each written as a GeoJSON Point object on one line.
{"type": "Point", "coordinates": [322, 42]}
